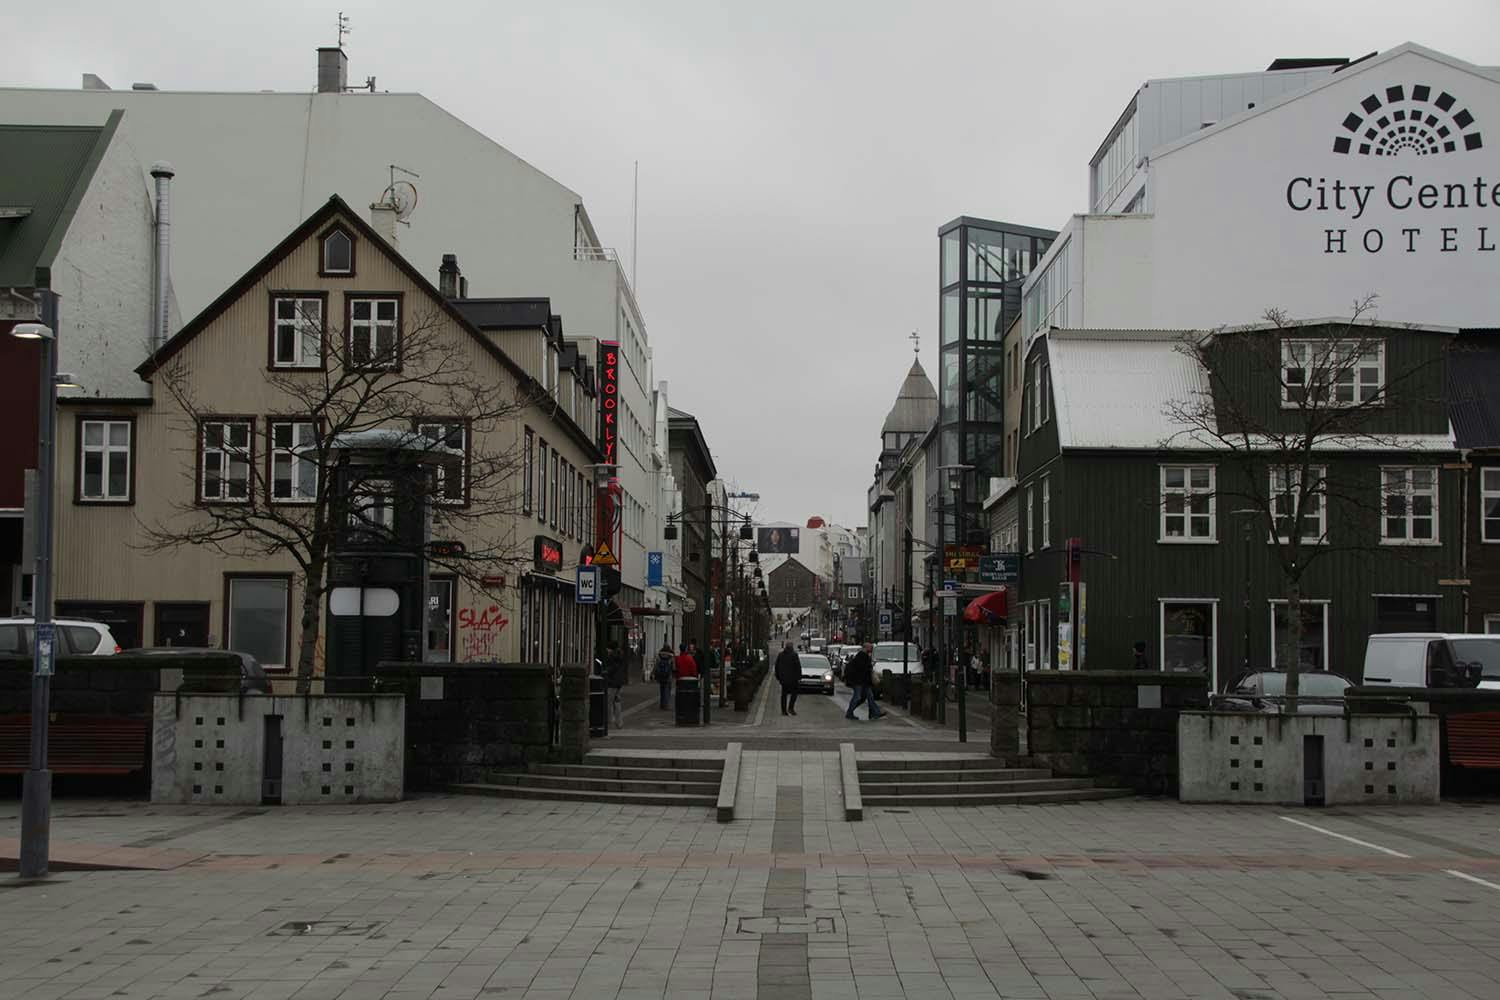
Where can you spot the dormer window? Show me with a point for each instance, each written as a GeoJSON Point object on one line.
{"type": "Point", "coordinates": [337, 250]}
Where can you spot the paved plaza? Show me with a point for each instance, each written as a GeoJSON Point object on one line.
{"type": "Point", "coordinates": [461, 898]}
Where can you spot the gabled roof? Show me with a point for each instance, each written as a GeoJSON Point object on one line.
{"type": "Point", "coordinates": [44, 172]}
{"type": "Point", "coordinates": [1111, 388]}
{"type": "Point", "coordinates": [1335, 79]}
{"type": "Point", "coordinates": [682, 422]}
{"type": "Point", "coordinates": [506, 314]}
{"type": "Point", "coordinates": [336, 207]}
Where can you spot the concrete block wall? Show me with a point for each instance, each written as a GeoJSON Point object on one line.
{"type": "Point", "coordinates": [1367, 759]}
{"type": "Point", "coordinates": [467, 720]}
{"type": "Point", "coordinates": [210, 749]}
{"type": "Point", "coordinates": [1119, 726]}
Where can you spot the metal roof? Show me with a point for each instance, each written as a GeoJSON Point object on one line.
{"type": "Point", "coordinates": [505, 314]}
{"type": "Point", "coordinates": [45, 170]}
{"type": "Point", "coordinates": [1112, 388]}
{"type": "Point", "coordinates": [916, 407]}
{"type": "Point", "coordinates": [1473, 390]}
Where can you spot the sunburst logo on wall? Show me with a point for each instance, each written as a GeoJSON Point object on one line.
{"type": "Point", "coordinates": [1408, 120]}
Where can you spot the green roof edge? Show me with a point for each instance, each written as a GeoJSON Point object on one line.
{"type": "Point", "coordinates": [75, 198]}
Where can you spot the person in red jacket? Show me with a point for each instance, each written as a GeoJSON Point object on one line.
{"type": "Point", "coordinates": [687, 666]}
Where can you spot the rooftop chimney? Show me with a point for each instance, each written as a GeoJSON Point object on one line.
{"type": "Point", "coordinates": [383, 217]}
{"type": "Point", "coordinates": [333, 70]}
{"type": "Point", "coordinates": [163, 173]}
{"type": "Point", "coordinates": [450, 278]}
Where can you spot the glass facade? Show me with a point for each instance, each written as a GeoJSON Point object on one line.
{"type": "Point", "coordinates": [982, 265]}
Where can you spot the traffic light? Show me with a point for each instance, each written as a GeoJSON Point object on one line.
{"type": "Point", "coordinates": [609, 580]}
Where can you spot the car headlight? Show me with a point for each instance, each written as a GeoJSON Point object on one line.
{"type": "Point", "coordinates": [828, 676]}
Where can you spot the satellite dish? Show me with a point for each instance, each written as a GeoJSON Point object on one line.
{"type": "Point", "coordinates": [402, 196]}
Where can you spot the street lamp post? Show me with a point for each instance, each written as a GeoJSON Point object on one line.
{"type": "Point", "coordinates": [956, 487]}
{"type": "Point", "coordinates": [36, 788]}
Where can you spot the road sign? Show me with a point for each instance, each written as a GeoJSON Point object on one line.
{"type": "Point", "coordinates": [587, 588]}
{"type": "Point", "coordinates": [46, 647]}
{"type": "Point", "coordinates": [950, 584]}
{"type": "Point", "coordinates": [950, 605]}
{"type": "Point", "coordinates": [885, 619]}
{"type": "Point", "coordinates": [604, 557]}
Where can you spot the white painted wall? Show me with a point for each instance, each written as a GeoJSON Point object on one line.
{"type": "Point", "coordinates": [103, 274]}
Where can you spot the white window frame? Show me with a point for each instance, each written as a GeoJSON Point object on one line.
{"type": "Point", "coordinates": [1408, 494]}
{"type": "Point", "coordinates": [1315, 354]}
{"type": "Point", "coordinates": [226, 456]}
{"type": "Point", "coordinates": [1161, 633]}
{"type": "Point", "coordinates": [369, 330]}
{"type": "Point", "coordinates": [1290, 492]}
{"type": "Point", "coordinates": [293, 458]}
{"type": "Point", "coordinates": [1326, 604]}
{"type": "Point", "coordinates": [323, 252]}
{"type": "Point", "coordinates": [436, 431]}
{"type": "Point", "coordinates": [1489, 495]}
{"type": "Point", "coordinates": [1046, 512]}
{"type": "Point", "coordinates": [1030, 520]}
{"type": "Point", "coordinates": [1491, 624]}
{"type": "Point", "coordinates": [1187, 491]}
{"type": "Point", "coordinates": [305, 323]}
{"type": "Point", "coordinates": [105, 450]}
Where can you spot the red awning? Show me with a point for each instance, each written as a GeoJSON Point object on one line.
{"type": "Point", "coordinates": [988, 609]}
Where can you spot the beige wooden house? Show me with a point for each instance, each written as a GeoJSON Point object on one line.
{"type": "Point", "coordinates": [227, 426]}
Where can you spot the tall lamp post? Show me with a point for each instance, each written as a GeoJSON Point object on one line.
{"type": "Point", "coordinates": [36, 788]}
{"type": "Point", "coordinates": [956, 487]}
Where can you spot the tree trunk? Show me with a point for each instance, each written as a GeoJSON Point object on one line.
{"type": "Point", "coordinates": [307, 646]}
{"type": "Point", "coordinates": [1294, 628]}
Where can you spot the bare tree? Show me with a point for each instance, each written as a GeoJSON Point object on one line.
{"type": "Point", "coordinates": [254, 504]}
{"type": "Point", "coordinates": [1289, 404]}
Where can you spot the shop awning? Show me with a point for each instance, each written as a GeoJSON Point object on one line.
{"type": "Point", "coordinates": [988, 609]}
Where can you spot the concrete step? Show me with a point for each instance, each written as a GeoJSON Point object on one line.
{"type": "Point", "coordinates": [656, 763]}
{"type": "Point", "coordinates": [624, 773]}
{"type": "Point", "coordinates": [879, 775]}
{"type": "Point", "coordinates": [524, 780]}
{"type": "Point", "coordinates": [929, 764]}
{"type": "Point", "coordinates": [999, 799]}
{"type": "Point", "coordinates": [970, 787]}
{"type": "Point", "coordinates": [571, 795]}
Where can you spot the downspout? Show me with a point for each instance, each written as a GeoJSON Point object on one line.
{"type": "Point", "coordinates": [1463, 531]}
{"type": "Point", "coordinates": [163, 173]}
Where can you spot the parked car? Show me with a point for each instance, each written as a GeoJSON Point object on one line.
{"type": "Point", "coordinates": [76, 637]}
{"type": "Point", "coordinates": [253, 679]}
{"type": "Point", "coordinates": [1319, 692]}
{"type": "Point", "coordinates": [1433, 659]}
{"type": "Point", "coordinates": [816, 672]}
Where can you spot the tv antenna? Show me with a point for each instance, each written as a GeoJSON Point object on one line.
{"type": "Point", "coordinates": [343, 27]}
{"type": "Point", "coordinates": [916, 342]}
{"type": "Point", "coordinates": [401, 195]}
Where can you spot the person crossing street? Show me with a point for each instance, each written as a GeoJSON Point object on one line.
{"type": "Point", "coordinates": [859, 674]}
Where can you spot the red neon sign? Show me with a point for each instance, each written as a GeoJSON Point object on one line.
{"type": "Point", "coordinates": [609, 397]}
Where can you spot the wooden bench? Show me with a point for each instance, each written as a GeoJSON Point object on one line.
{"type": "Point", "coordinates": [1474, 739]}
{"type": "Point", "coordinates": [78, 744]}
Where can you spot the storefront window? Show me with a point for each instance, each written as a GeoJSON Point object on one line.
{"type": "Point", "coordinates": [1187, 636]}
{"type": "Point", "coordinates": [258, 619]}
{"type": "Point", "coordinates": [1313, 650]}
{"type": "Point", "coordinates": [439, 624]}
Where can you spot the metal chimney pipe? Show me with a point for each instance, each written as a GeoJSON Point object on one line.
{"type": "Point", "coordinates": [163, 173]}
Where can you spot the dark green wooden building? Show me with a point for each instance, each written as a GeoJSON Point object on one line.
{"type": "Point", "coordinates": [1167, 453]}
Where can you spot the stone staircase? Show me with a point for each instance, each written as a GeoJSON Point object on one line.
{"type": "Point", "coordinates": [642, 781]}
{"type": "Point", "coordinates": [970, 781]}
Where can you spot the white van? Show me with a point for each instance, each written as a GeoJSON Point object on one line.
{"type": "Point", "coordinates": [1433, 659]}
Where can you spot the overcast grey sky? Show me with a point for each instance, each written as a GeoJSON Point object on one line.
{"type": "Point", "coordinates": [797, 156]}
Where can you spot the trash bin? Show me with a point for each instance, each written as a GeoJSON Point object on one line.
{"type": "Point", "coordinates": [689, 701]}
{"type": "Point", "coordinates": [598, 707]}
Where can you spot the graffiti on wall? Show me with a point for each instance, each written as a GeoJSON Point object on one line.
{"type": "Point", "coordinates": [479, 631]}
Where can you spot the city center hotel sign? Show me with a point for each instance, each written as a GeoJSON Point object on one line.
{"type": "Point", "coordinates": [1380, 184]}
{"type": "Point", "coordinates": [1399, 126]}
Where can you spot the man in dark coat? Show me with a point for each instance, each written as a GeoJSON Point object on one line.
{"type": "Point", "coordinates": [859, 674]}
{"type": "Point", "coordinates": [614, 680]}
{"type": "Point", "coordinates": [789, 676]}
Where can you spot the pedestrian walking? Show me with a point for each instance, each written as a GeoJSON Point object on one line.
{"type": "Point", "coordinates": [686, 666]}
{"type": "Point", "coordinates": [788, 675]}
{"type": "Point", "coordinates": [859, 674]}
{"type": "Point", "coordinates": [614, 680]}
{"type": "Point", "coordinates": [666, 663]}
